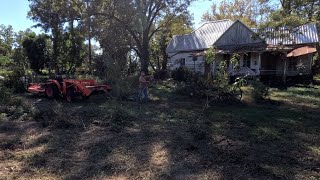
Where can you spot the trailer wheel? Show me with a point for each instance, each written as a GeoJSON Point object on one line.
{"type": "Point", "coordinates": [70, 94]}
{"type": "Point", "coordinates": [51, 91]}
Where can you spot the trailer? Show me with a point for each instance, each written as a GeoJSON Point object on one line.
{"type": "Point", "coordinates": [68, 88]}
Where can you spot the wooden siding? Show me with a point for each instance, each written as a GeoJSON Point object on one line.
{"type": "Point", "coordinates": [238, 34]}
{"type": "Point", "coordinates": [197, 66]}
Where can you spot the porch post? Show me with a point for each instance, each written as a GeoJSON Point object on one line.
{"type": "Point", "coordinates": [285, 68]}
{"type": "Point", "coordinates": [259, 63]}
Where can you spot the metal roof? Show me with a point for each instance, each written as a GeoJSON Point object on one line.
{"type": "Point", "coordinates": [207, 34]}
{"type": "Point", "coordinates": [305, 34]}
{"type": "Point", "coordinates": [201, 38]}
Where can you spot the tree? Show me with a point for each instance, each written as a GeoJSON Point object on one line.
{"type": "Point", "coordinates": [38, 52]}
{"type": "Point", "coordinates": [6, 40]}
{"type": "Point", "coordinates": [140, 18]}
{"type": "Point", "coordinates": [251, 12]}
{"type": "Point", "coordinates": [180, 25]}
{"type": "Point", "coordinates": [19, 56]}
{"type": "Point", "coordinates": [51, 16]}
{"type": "Point", "coordinates": [73, 50]}
{"type": "Point", "coordinates": [293, 13]}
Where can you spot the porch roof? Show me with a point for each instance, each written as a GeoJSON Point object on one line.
{"type": "Point", "coordinates": [302, 51]}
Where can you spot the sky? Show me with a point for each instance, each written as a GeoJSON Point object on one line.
{"type": "Point", "coordinates": [14, 13]}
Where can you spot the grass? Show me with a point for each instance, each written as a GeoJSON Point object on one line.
{"type": "Point", "coordinates": [171, 137]}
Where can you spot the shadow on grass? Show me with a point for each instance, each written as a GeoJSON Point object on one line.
{"type": "Point", "coordinates": [174, 140]}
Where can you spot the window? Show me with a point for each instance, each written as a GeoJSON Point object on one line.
{"type": "Point", "coordinates": [181, 61]}
{"type": "Point", "coordinates": [246, 60]}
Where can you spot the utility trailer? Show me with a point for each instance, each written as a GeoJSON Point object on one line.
{"type": "Point", "coordinates": [68, 88]}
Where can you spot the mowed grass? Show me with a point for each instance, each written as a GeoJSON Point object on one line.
{"type": "Point", "coordinates": [171, 137]}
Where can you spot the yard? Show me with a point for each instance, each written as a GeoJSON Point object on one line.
{"type": "Point", "coordinates": [171, 137]}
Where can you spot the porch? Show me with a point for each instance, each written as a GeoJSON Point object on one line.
{"type": "Point", "coordinates": [278, 64]}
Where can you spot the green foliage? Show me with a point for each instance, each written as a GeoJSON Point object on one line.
{"type": "Point", "coordinates": [13, 81]}
{"type": "Point", "coordinates": [73, 50]}
{"type": "Point", "coordinates": [52, 16]}
{"type": "Point", "coordinates": [38, 52]}
{"type": "Point", "coordinates": [260, 91]}
{"type": "Point", "coordinates": [161, 74]}
{"type": "Point", "coordinates": [222, 78]}
{"type": "Point", "coordinates": [291, 15]}
{"type": "Point", "coordinates": [173, 25]}
{"type": "Point", "coordinates": [210, 55]}
{"type": "Point", "coordinates": [251, 12]}
{"type": "Point", "coordinates": [4, 61]}
{"type": "Point", "coordinates": [5, 93]}
{"type": "Point", "coordinates": [6, 40]}
{"type": "Point", "coordinates": [140, 21]}
{"type": "Point", "coordinates": [182, 74]}
{"type": "Point", "coordinates": [19, 56]}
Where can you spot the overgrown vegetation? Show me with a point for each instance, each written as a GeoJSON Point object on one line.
{"type": "Point", "coordinates": [5, 93]}
{"type": "Point", "coordinates": [260, 91]}
{"type": "Point", "coordinates": [57, 140]}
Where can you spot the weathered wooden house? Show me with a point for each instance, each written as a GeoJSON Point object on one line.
{"type": "Point", "coordinates": [278, 55]}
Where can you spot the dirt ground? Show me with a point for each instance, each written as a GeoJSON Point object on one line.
{"type": "Point", "coordinates": [171, 137]}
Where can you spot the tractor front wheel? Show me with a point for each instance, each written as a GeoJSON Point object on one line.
{"type": "Point", "coordinates": [70, 94]}
{"type": "Point", "coordinates": [51, 91]}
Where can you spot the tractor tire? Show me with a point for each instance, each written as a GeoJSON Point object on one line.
{"type": "Point", "coordinates": [52, 91]}
{"type": "Point", "coordinates": [85, 97]}
{"type": "Point", "coordinates": [70, 94]}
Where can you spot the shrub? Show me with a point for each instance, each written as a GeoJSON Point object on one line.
{"type": "Point", "coordinates": [124, 87]}
{"type": "Point", "coordinates": [181, 74]}
{"type": "Point", "coordinates": [161, 74]}
{"type": "Point", "coordinates": [5, 93]}
{"type": "Point", "coordinates": [14, 80]}
{"type": "Point", "coordinates": [260, 91]}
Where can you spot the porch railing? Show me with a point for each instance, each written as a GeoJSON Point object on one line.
{"type": "Point", "coordinates": [280, 72]}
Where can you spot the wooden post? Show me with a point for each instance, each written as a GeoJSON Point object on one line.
{"type": "Point", "coordinates": [285, 68]}
{"type": "Point", "coordinates": [259, 63]}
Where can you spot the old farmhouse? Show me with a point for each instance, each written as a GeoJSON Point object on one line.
{"type": "Point", "coordinates": [277, 55]}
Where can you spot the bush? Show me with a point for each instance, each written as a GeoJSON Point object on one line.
{"type": "Point", "coordinates": [182, 74]}
{"type": "Point", "coordinates": [14, 80]}
{"type": "Point", "coordinates": [5, 94]}
{"type": "Point", "coordinates": [260, 91]}
{"type": "Point", "coordinates": [161, 74]}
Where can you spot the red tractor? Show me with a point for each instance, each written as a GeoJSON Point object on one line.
{"type": "Point", "coordinates": [68, 88]}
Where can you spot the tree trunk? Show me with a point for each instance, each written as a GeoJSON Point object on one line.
{"type": "Point", "coordinates": [163, 47]}
{"type": "Point", "coordinates": [144, 59]}
{"type": "Point", "coordinates": [56, 51]}
{"type": "Point", "coordinates": [145, 54]}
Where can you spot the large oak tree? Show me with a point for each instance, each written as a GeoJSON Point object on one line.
{"type": "Point", "coordinates": [140, 19]}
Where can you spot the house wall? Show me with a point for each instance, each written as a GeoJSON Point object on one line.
{"type": "Point", "coordinates": [197, 66]}
{"type": "Point", "coordinates": [255, 64]}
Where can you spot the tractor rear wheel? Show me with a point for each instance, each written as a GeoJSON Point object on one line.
{"type": "Point", "coordinates": [51, 91]}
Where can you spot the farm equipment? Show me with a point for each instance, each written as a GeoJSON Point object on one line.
{"type": "Point", "coordinates": [68, 88]}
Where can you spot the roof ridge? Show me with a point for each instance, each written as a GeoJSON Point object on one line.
{"type": "Point", "coordinates": [209, 22]}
